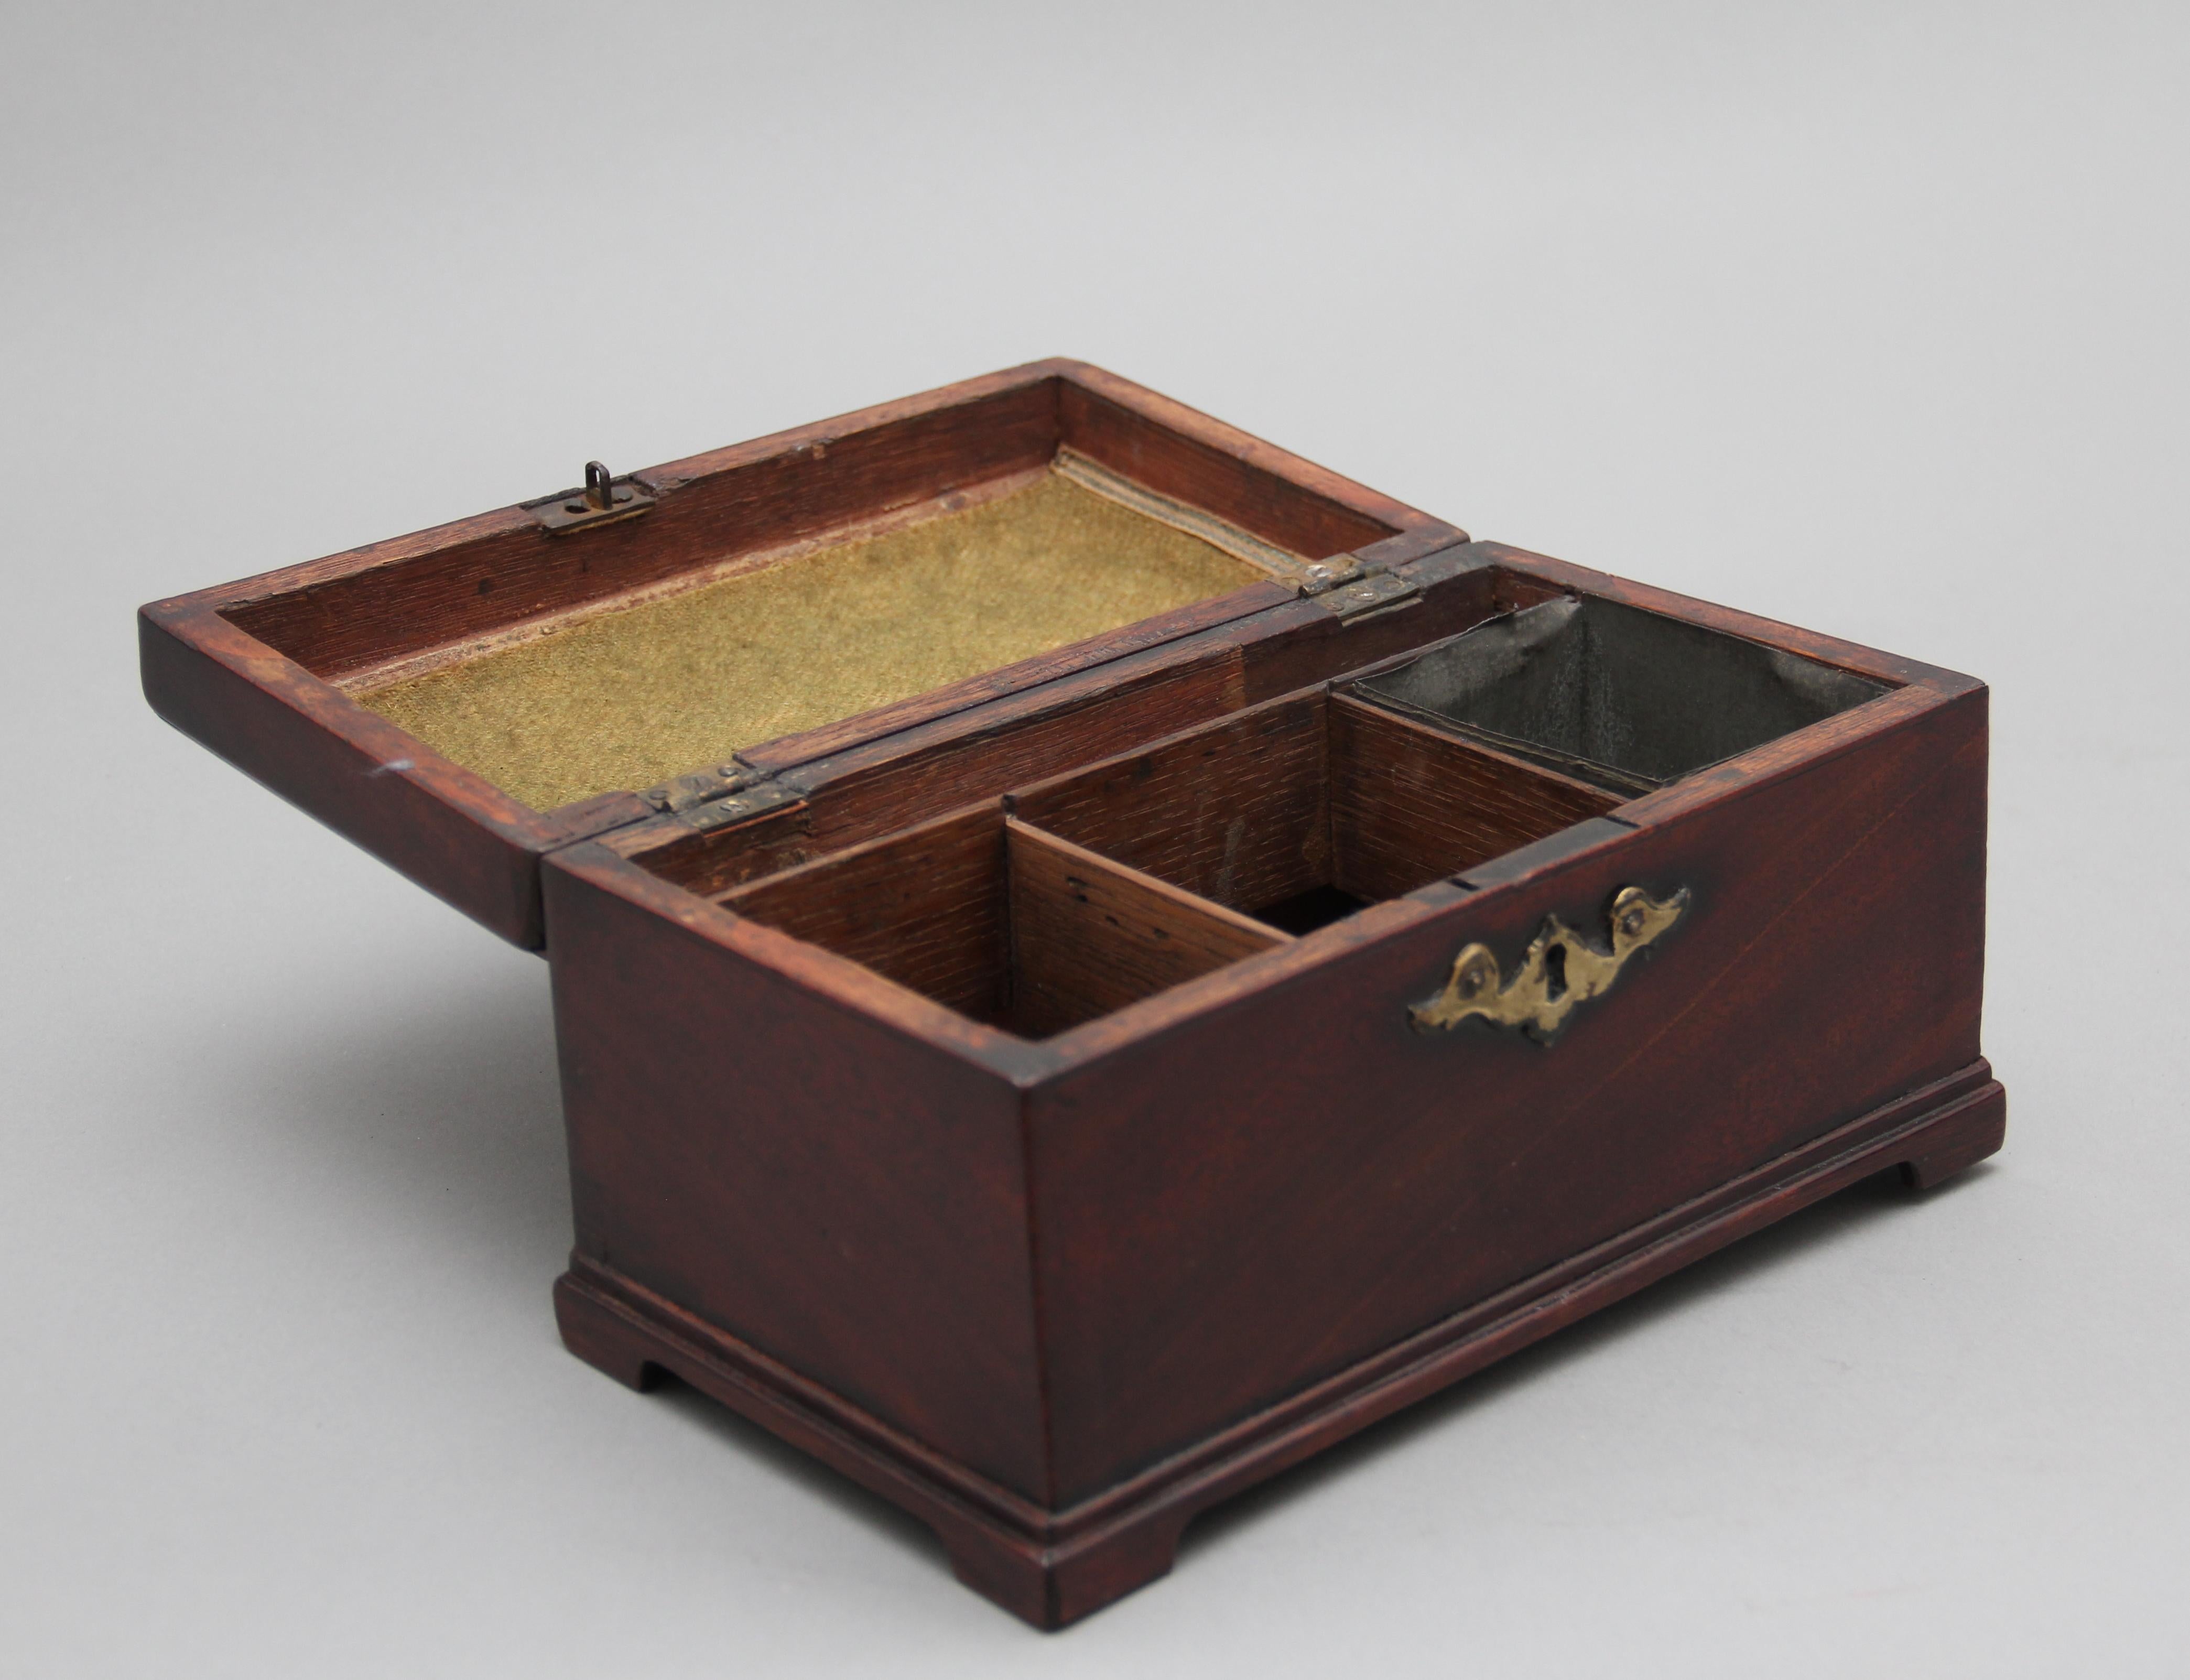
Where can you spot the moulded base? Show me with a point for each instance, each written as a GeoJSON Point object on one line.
{"type": "Point", "coordinates": [1053, 1567]}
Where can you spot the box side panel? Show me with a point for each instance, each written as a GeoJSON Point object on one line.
{"type": "Point", "coordinates": [1267, 1191]}
{"type": "Point", "coordinates": [447, 831]}
{"type": "Point", "coordinates": [826, 1187]}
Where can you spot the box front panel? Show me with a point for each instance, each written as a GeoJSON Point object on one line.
{"type": "Point", "coordinates": [1278, 1187]}
{"type": "Point", "coordinates": [834, 1193]}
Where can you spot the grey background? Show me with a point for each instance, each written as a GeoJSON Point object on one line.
{"type": "Point", "coordinates": [1866, 317]}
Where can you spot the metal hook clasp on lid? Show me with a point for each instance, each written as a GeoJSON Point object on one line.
{"type": "Point", "coordinates": [600, 491]}
{"type": "Point", "coordinates": [601, 500]}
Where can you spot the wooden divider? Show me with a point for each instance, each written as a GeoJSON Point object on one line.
{"type": "Point", "coordinates": [1090, 935]}
{"type": "Point", "coordinates": [1235, 810]}
{"type": "Point", "coordinates": [1409, 804]}
{"type": "Point", "coordinates": [1077, 896]}
{"type": "Point", "coordinates": [924, 907]}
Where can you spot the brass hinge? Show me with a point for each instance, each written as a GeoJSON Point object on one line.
{"type": "Point", "coordinates": [687, 792]}
{"type": "Point", "coordinates": [603, 499]}
{"type": "Point", "coordinates": [749, 801]}
{"type": "Point", "coordinates": [724, 794]}
{"type": "Point", "coordinates": [1346, 588]}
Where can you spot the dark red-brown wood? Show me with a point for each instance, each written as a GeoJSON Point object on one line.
{"type": "Point", "coordinates": [813, 1180]}
{"type": "Point", "coordinates": [1409, 805]}
{"type": "Point", "coordinates": [925, 907]}
{"type": "Point", "coordinates": [1089, 935]}
{"type": "Point", "coordinates": [1052, 1568]}
{"type": "Point", "coordinates": [1239, 812]}
{"type": "Point", "coordinates": [1257, 1208]}
{"type": "Point", "coordinates": [1378, 1179]}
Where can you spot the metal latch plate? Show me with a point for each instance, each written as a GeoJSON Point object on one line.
{"type": "Point", "coordinates": [601, 500]}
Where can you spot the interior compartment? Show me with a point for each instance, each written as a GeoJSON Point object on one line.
{"type": "Point", "coordinates": [784, 586]}
{"type": "Point", "coordinates": [1076, 896]}
{"type": "Point", "coordinates": [1002, 923]}
{"type": "Point", "coordinates": [1056, 899]}
{"type": "Point", "coordinates": [1300, 811]}
{"type": "Point", "coordinates": [1613, 695]}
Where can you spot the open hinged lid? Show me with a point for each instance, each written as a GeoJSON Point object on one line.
{"type": "Point", "coordinates": [464, 700]}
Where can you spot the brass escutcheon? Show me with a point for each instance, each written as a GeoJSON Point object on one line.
{"type": "Point", "coordinates": [1559, 970]}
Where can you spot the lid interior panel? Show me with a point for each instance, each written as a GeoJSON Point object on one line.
{"type": "Point", "coordinates": [810, 580]}
{"type": "Point", "coordinates": [629, 697]}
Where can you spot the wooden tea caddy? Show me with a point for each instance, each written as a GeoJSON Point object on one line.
{"type": "Point", "coordinates": [1093, 958]}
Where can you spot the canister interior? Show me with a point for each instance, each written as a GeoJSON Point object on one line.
{"type": "Point", "coordinates": [1625, 699]}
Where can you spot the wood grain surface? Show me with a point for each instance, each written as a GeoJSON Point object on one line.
{"type": "Point", "coordinates": [1409, 805]}
{"type": "Point", "coordinates": [1089, 935]}
{"type": "Point", "coordinates": [924, 907]}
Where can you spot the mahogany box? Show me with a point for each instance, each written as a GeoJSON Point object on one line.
{"type": "Point", "coordinates": [1093, 958]}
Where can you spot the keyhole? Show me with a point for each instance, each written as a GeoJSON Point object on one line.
{"type": "Point", "coordinates": [1555, 972]}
